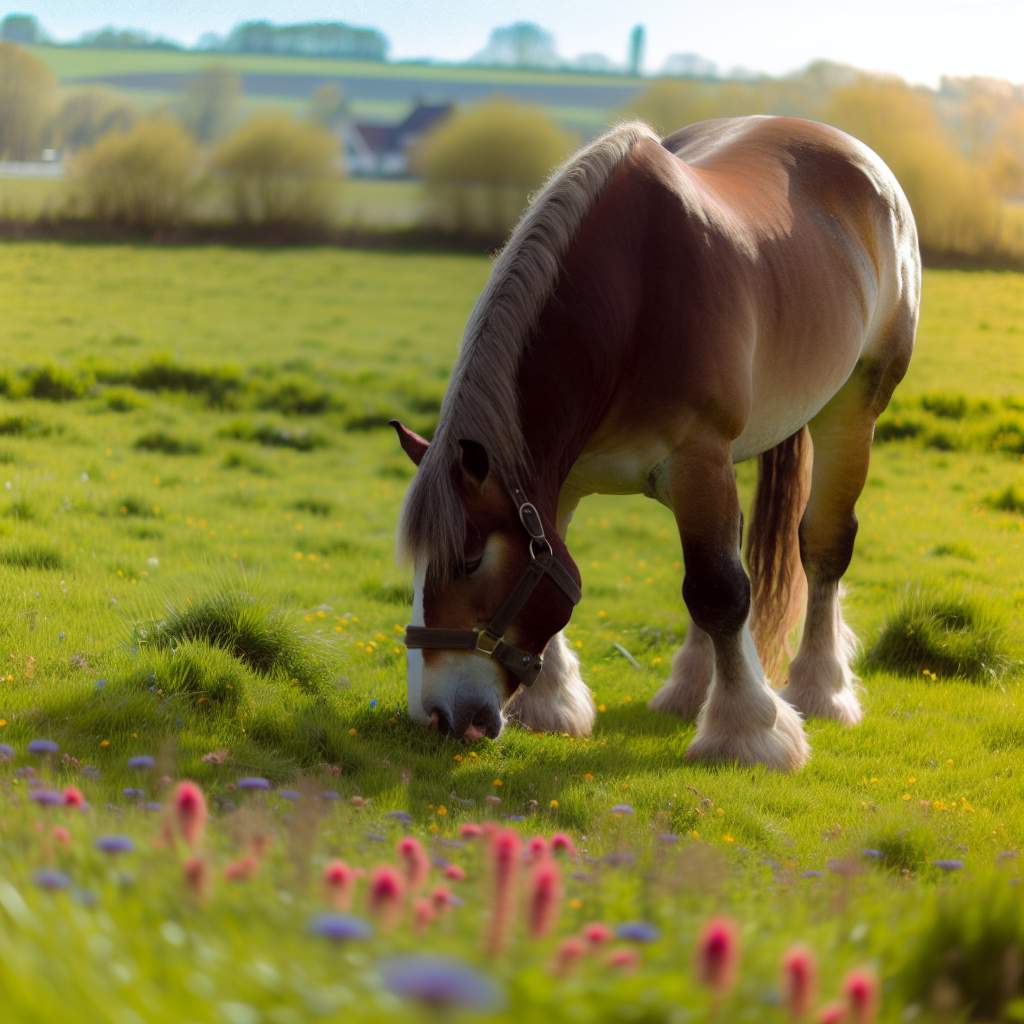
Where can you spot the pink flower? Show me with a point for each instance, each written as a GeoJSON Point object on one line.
{"type": "Point", "coordinates": [561, 843]}
{"type": "Point", "coordinates": [505, 848]}
{"type": "Point", "coordinates": [799, 981]}
{"type": "Point", "coordinates": [568, 955]}
{"type": "Point", "coordinates": [339, 880]}
{"type": "Point", "coordinates": [190, 812]}
{"type": "Point", "coordinates": [442, 898]}
{"type": "Point", "coordinates": [242, 869]}
{"type": "Point", "coordinates": [415, 862]}
{"type": "Point", "coordinates": [834, 1013]}
{"type": "Point", "coordinates": [73, 797]}
{"type": "Point", "coordinates": [545, 897]}
{"type": "Point", "coordinates": [470, 831]}
{"type": "Point", "coordinates": [62, 835]}
{"type": "Point", "coordinates": [537, 848]}
{"type": "Point", "coordinates": [197, 878]}
{"type": "Point", "coordinates": [717, 955]}
{"type": "Point", "coordinates": [423, 914]}
{"type": "Point", "coordinates": [624, 959]}
{"type": "Point", "coordinates": [860, 989]}
{"type": "Point", "coordinates": [455, 873]}
{"type": "Point", "coordinates": [597, 934]}
{"type": "Point", "coordinates": [386, 892]}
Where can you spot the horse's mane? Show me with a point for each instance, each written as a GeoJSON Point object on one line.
{"type": "Point", "coordinates": [481, 403]}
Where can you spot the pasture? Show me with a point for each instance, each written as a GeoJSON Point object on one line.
{"type": "Point", "coordinates": [196, 563]}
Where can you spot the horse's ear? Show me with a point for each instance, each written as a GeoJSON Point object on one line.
{"type": "Point", "coordinates": [412, 444]}
{"type": "Point", "coordinates": [475, 462]}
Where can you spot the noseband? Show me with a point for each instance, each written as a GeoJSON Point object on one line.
{"type": "Point", "coordinates": [489, 641]}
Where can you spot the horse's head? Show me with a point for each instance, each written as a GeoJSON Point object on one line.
{"type": "Point", "coordinates": [480, 625]}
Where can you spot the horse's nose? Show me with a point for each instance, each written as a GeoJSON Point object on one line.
{"type": "Point", "coordinates": [469, 715]}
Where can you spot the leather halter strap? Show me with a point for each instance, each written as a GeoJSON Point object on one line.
{"type": "Point", "coordinates": [490, 641]}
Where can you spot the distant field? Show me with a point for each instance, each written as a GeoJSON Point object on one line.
{"type": "Point", "coordinates": [177, 424]}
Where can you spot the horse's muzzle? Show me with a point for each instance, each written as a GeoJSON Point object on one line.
{"type": "Point", "coordinates": [468, 716]}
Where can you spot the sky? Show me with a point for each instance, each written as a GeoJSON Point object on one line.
{"type": "Point", "coordinates": [917, 39]}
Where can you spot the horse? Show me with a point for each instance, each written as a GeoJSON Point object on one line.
{"type": "Point", "coordinates": [664, 309]}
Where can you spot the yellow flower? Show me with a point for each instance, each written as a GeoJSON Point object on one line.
{"type": "Point", "coordinates": [442, 811]}
{"type": "Point", "coordinates": [589, 776]}
{"type": "Point", "coordinates": [3, 723]}
{"type": "Point", "coordinates": [907, 796]}
{"type": "Point", "coordinates": [353, 732]}
{"type": "Point", "coordinates": [602, 707]}
{"type": "Point", "coordinates": [457, 757]}
{"type": "Point", "coordinates": [473, 755]}
{"type": "Point", "coordinates": [728, 838]}
{"type": "Point", "coordinates": [104, 743]}
{"type": "Point", "coordinates": [554, 805]}
{"type": "Point", "coordinates": [497, 783]}
{"type": "Point", "coordinates": [575, 903]}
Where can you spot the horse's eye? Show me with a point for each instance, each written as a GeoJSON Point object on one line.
{"type": "Point", "coordinates": [472, 565]}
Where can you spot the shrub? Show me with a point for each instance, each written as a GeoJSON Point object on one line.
{"type": "Point", "coordinates": [954, 637]}
{"type": "Point", "coordinates": [141, 178]}
{"type": "Point", "coordinates": [86, 115]}
{"type": "Point", "coordinates": [27, 91]}
{"type": "Point", "coordinates": [480, 165]}
{"type": "Point", "coordinates": [277, 171]}
{"type": "Point", "coordinates": [167, 444]}
{"type": "Point", "coordinates": [262, 638]}
{"type": "Point", "coordinates": [211, 101]}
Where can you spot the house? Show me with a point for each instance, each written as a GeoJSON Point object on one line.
{"type": "Point", "coordinates": [377, 150]}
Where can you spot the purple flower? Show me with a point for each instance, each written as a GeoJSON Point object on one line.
{"type": "Point", "coordinates": [289, 794]}
{"type": "Point", "coordinates": [42, 747]}
{"type": "Point", "coordinates": [873, 854]}
{"type": "Point", "coordinates": [6, 752]}
{"type": "Point", "coordinates": [810, 874]}
{"type": "Point", "coordinates": [439, 983]}
{"type": "Point", "coordinates": [330, 794]}
{"type": "Point", "coordinates": [637, 931]}
{"type": "Point", "coordinates": [115, 844]}
{"type": "Point", "coordinates": [253, 782]}
{"type": "Point", "coordinates": [622, 809]}
{"type": "Point", "coordinates": [47, 798]}
{"type": "Point", "coordinates": [47, 878]}
{"type": "Point", "coordinates": [401, 816]}
{"type": "Point", "coordinates": [340, 927]}
{"type": "Point", "coordinates": [668, 837]}
{"type": "Point", "coordinates": [948, 865]}
{"type": "Point", "coordinates": [154, 805]}
{"type": "Point", "coordinates": [141, 761]}
{"type": "Point", "coordinates": [133, 792]}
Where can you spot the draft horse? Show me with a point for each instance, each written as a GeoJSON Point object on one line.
{"type": "Point", "coordinates": [665, 309]}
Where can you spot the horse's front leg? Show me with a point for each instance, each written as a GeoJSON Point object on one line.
{"type": "Point", "coordinates": [742, 719]}
{"type": "Point", "coordinates": [559, 701]}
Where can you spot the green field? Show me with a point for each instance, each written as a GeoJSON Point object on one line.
{"type": "Point", "coordinates": [198, 435]}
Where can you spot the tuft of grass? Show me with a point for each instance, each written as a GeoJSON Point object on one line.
{"type": "Point", "coordinates": [219, 386]}
{"type": "Point", "coordinates": [138, 508]}
{"type": "Point", "coordinates": [313, 506]}
{"type": "Point", "coordinates": [261, 637]}
{"type": "Point", "coordinates": [123, 399]}
{"type": "Point", "coordinates": [947, 405]}
{"type": "Point", "coordinates": [54, 383]}
{"type": "Point", "coordinates": [32, 556]}
{"type": "Point", "coordinates": [24, 426]}
{"type": "Point", "coordinates": [167, 444]}
{"type": "Point", "coordinates": [897, 428]}
{"type": "Point", "coordinates": [296, 395]}
{"type": "Point", "coordinates": [21, 509]}
{"type": "Point", "coordinates": [1007, 436]}
{"type": "Point", "coordinates": [955, 637]}
{"type": "Point", "coordinates": [272, 436]}
{"type": "Point", "coordinates": [966, 957]}
{"type": "Point", "coordinates": [240, 460]}
{"type": "Point", "coordinates": [954, 550]}
{"type": "Point", "coordinates": [1007, 500]}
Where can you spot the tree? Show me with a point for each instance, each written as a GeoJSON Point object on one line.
{"type": "Point", "coordinates": [87, 115]}
{"type": "Point", "coordinates": [278, 171]}
{"type": "Point", "coordinates": [636, 50]}
{"type": "Point", "coordinates": [141, 178]}
{"type": "Point", "coordinates": [21, 28]}
{"type": "Point", "coordinates": [211, 102]}
{"type": "Point", "coordinates": [522, 45]}
{"type": "Point", "coordinates": [327, 106]}
{"type": "Point", "coordinates": [480, 165]}
{"type": "Point", "coordinates": [27, 94]}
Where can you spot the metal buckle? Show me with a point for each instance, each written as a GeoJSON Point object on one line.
{"type": "Point", "coordinates": [481, 646]}
{"type": "Point", "coordinates": [547, 549]}
{"type": "Point", "coordinates": [530, 518]}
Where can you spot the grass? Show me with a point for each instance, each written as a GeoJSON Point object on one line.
{"type": "Point", "coordinates": [236, 610]}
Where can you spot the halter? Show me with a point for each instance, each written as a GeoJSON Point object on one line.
{"type": "Point", "coordinates": [490, 641]}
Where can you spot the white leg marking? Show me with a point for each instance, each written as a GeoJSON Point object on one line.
{"type": "Point", "coordinates": [693, 669]}
{"type": "Point", "coordinates": [414, 659]}
{"type": "Point", "coordinates": [743, 718]}
{"type": "Point", "coordinates": [821, 682]}
{"type": "Point", "coordinates": [559, 701]}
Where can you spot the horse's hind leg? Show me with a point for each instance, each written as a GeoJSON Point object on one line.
{"type": "Point", "coordinates": [742, 719]}
{"type": "Point", "coordinates": [693, 668]}
{"type": "Point", "coordinates": [821, 681]}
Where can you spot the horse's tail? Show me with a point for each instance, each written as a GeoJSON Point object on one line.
{"type": "Point", "coordinates": [773, 548]}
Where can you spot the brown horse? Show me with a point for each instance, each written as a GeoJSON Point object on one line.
{"type": "Point", "coordinates": [665, 309]}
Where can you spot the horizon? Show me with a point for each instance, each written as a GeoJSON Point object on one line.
{"type": "Point", "coordinates": [964, 38]}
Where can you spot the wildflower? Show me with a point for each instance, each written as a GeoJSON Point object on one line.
{"type": "Point", "coordinates": [717, 954]}
{"type": "Point", "coordinates": [43, 747]}
{"type": "Point", "coordinates": [47, 798]}
{"type": "Point", "coordinates": [624, 959]}
{"type": "Point", "coordinates": [47, 878]}
{"type": "Point", "coordinates": [537, 848]}
{"type": "Point", "coordinates": [948, 865]}
{"type": "Point", "coordinates": [545, 896]}
{"type": "Point", "coordinates": [114, 844]}
{"type": "Point", "coordinates": [637, 931]}
{"type": "Point", "coordinates": [415, 862]}
{"type": "Point", "coordinates": [73, 797]}
{"type": "Point", "coordinates": [340, 927]}
{"type": "Point", "coordinates": [339, 879]}
{"type": "Point", "coordinates": [860, 990]}
{"type": "Point", "coordinates": [62, 835]}
{"type": "Point", "coordinates": [253, 782]}
{"type": "Point", "coordinates": [133, 793]}
{"type": "Point", "coordinates": [504, 862]}
{"type": "Point", "coordinates": [470, 831]}
{"type": "Point", "coordinates": [570, 952]}
{"type": "Point", "coordinates": [799, 980]}
{"type": "Point", "coordinates": [6, 752]}
{"type": "Point", "coordinates": [386, 891]}
{"type": "Point", "coordinates": [454, 872]}
{"type": "Point", "coordinates": [622, 809]}
{"type": "Point", "coordinates": [197, 877]}
{"type": "Point", "coordinates": [834, 1013]}
{"type": "Point", "coordinates": [438, 983]}
{"type": "Point", "coordinates": [404, 817]}
{"type": "Point", "coordinates": [190, 812]}
{"type": "Point", "coordinates": [561, 843]}
{"type": "Point", "coordinates": [597, 934]}
{"type": "Point", "coordinates": [242, 869]}
{"type": "Point", "coordinates": [442, 898]}
{"type": "Point", "coordinates": [422, 914]}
